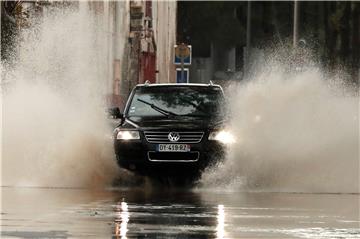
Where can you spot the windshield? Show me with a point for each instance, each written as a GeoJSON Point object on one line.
{"type": "Point", "coordinates": [177, 101]}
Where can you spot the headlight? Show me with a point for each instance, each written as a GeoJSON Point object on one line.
{"type": "Point", "coordinates": [128, 135]}
{"type": "Point", "coordinates": [222, 136]}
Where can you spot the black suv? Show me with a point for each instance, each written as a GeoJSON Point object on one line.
{"type": "Point", "coordinates": [172, 130]}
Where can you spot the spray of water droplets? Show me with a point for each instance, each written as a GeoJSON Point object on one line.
{"type": "Point", "coordinates": [55, 131]}
{"type": "Point", "coordinates": [297, 131]}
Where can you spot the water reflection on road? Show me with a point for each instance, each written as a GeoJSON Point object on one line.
{"type": "Point", "coordinates": [129, 213]}
{"type": "Point", "coordinates": [121, 220]}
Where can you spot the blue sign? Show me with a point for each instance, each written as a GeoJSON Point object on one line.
{"type": "Point", "coordinates": [181, 52]}
{"type": "Point", "coordinates": [182, 78]}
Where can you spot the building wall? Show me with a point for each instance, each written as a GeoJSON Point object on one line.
{"type": "Point", "coordinates": [201, 70]}
{"type": "Point", "coordinates": [113, 26]}
{"type": "Point", "coordinates": [164, 23]}
{"type": "Point", "coordinates": [102, 37]}
{"type": "Point", "coordinates": [122, 23]}
{"type": "Point", "coordinates": [126, 50]}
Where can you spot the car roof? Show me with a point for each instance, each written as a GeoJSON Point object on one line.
{"type": "Point", "coordinates": [177, 84]}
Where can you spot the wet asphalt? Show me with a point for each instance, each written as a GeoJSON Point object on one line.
{"type": "Point", "coordinates": [140, 212]}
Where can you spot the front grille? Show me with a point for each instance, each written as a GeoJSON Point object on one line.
{"type": "Point", "coordinates": [162, 137]}
{"type": "Point", "coordinates": [192, 156]}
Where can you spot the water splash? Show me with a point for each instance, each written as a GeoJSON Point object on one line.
{"type": "Point", "coordinates": [54, 126]}
{"type": "Point", "coordinates": [298, 131]}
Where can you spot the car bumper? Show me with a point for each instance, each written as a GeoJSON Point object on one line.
{"type": "Point", "coordinates": [143, 157]}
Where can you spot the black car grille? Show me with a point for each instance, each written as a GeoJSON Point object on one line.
{"type": "Point", "coordinates": [162, 137]}
{"type": "Point", "coordinates": [174, 156]}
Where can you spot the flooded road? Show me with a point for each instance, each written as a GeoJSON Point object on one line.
{"type": "Point", "coordinates": [297, 131]}
{"type": "Point", "coordinates": [137, 213]}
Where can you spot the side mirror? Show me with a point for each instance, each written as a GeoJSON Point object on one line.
{"type": "Point", "coordinates": [115, 113]}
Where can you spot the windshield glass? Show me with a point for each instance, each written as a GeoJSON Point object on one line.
{"type": "Point", "coordinates": [177, 101]}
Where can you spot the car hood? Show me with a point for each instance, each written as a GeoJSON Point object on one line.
{"type": "Point", "coordinates": [176, 123]}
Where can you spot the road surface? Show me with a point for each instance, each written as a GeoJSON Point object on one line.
{"type": "Point", "coordinates": [175, 213]}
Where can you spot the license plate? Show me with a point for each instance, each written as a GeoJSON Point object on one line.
{"type": "Point", "coordinates": [173, 147]}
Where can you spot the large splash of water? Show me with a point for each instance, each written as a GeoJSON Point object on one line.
{"type": "Point", "coordinates": [296, 132]}
{"type": "Point", "coordinates": [54, 125]}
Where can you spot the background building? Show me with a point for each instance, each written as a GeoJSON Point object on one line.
{"type": "Point", "coordinates": [139, 37]}
{"type": "Point", "coordinates": [220, 32]}
{"type": "Point", "coordinates": [144, 33]}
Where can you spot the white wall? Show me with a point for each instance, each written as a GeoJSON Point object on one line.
{"type": "Point", "coordinates": [164, 24]}
{"type": "Point", "coordinates": [113, 19]}
{"type": "Point", "coordinates": [115, 25]}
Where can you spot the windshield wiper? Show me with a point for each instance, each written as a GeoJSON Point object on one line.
{"type": "Point", "coordinates": [158, 109]}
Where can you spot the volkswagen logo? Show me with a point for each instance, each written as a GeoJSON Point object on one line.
{"type": "Point", "coordinates": [174, 136]}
